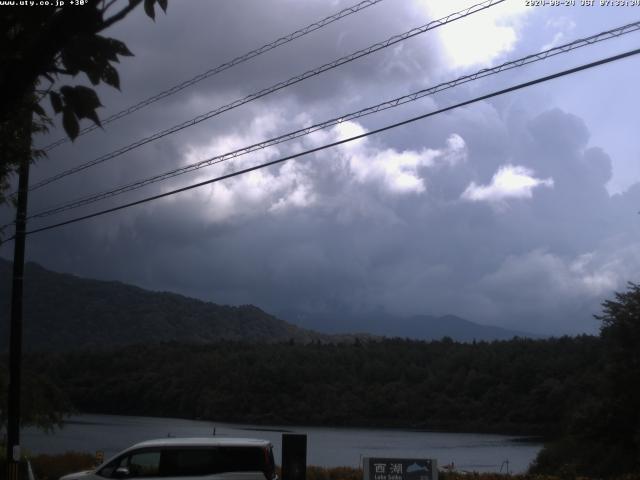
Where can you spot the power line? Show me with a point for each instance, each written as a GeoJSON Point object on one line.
{"type": "Point", "coordinates": [340, 142]}
{"type": "Point", "coordinates": [86, 200]}
{"type": "Point", "coordinates": [278, 86]}
{"type": "Point", "coordinates": [220, 68]}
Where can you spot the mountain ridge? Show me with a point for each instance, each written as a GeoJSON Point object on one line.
{"type": "Point", "coordinates": [104, 314]}
{"type": "Point", "coordinates": [418, 327]}
{"type": "Point", "coordinates": [99, 314]}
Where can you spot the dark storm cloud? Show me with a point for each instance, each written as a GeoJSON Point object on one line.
{"type": "Point", "coordinates": [207, 41]}
{"type": "Point", "coordinates": [534, 262]}
{"type": "Point", "coordinates": [380, 224]}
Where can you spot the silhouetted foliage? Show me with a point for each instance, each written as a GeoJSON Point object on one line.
{"type": "Point", "coordinates": [39, 44]}
{"type": "Point", "coordinates": [602, 435]}
{"type": "Point", "coordinates": [43, 403]}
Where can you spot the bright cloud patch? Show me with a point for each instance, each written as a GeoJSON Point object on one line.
{"type": "Point", "coordinates": [299, 184]}
{"type": "Point", "coordinates": [398, 172]}
{"type": "Point", "coordinates": [477, 39]}
{"type": "Point", "coordinates": [274, 189]}
{"type": "Point", "coordinates": [510, 181]}
{"type": "Point", "coordinates": [288, 186]}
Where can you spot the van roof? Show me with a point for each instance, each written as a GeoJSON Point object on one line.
{"type": "Point", "coordinates": [203, 442]}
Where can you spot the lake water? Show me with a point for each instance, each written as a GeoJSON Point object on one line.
{"type": "Point", "coordinates": [327, 447]}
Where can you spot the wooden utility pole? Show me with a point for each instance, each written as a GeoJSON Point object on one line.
{"type": "Point", "coordinates": [15, 338]}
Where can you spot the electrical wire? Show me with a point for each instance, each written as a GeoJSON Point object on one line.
{"type": "Point", "coordinates": [278, 86]}
{"type": "Point", "coordinates": [86, 200]}
{"type": "Point", "coordinates": [221, 68]}
{"type": "Point", "coordinates": [343, 141]}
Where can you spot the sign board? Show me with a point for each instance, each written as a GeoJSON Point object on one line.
{"type": "Point", "coordinates": [400, 469]}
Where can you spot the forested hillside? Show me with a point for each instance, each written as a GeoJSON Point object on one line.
{"type": "Point", "coordinates": [520, 385]}
{"type": "Point", "coordinates": [148, 353]}
{"type": "Point", "coordinates": [67, 312]}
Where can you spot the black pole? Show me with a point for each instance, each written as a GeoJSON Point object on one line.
{"type": "Point", "coordinates": [15, 345]}
{"type": "Point", "coordinates": [294, 456]}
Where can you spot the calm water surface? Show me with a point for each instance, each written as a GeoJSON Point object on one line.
{"type": "Point", "coordinates": [327, 447]}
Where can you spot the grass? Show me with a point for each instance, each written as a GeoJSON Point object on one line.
{"type": "Point", "coordinates": [52, 467]}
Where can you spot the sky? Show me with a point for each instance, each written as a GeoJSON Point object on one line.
{"type": "Point", "coordinates": [519, 211]}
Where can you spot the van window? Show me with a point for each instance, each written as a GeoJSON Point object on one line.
{"type": "Point", "coordinates": [144, 464]}
{"type": "Point", "coordinates": [242, 459]}
{"type": "Point", "coordinates": [140, 464]}
{"type": "Point", "coordinates": [191, 462]}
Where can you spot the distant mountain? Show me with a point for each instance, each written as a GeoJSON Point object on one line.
{"type": "Point", "coordinates": [65, 312]}
{"type": "Point", "coordinates": [459, 329]}
{"type": "Point", "coordinates": [420, 327]}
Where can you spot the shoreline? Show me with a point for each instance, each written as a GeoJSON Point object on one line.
{"type": "Point", "coordinates": [327, 446]}
{"type": "Point", "coordinates": [279, 425]}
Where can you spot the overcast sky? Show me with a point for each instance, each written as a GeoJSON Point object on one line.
{"type": "Point", "coordinates": [520, 211]}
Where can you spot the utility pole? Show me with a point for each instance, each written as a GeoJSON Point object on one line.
{"type": "Point", "coordinates": [15, 339]}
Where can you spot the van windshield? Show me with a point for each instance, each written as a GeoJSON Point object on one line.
{"type": "Point", "coordinates": [208, 461]}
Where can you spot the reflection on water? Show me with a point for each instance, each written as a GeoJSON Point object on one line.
{"type": "Point", "coordinates": [327, 447]}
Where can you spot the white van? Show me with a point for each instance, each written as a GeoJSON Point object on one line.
{"type": "Point", "coordinates": [181, 458]}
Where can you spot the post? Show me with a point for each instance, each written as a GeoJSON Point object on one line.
{"type": "Point", "coordinates": [15, 338]}
{"type": "Point", "coordinates": [294, 456]}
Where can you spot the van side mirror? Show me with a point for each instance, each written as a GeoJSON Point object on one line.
{"type": "Point", "coordinates": [121, 472]}
{"type": "Point", "coordinates": [30, 474]}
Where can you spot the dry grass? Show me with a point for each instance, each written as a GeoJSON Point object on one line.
{"type": "Point", "coordinates": [336, 473]}
{"type": "Point", "coordinates": [52, 467]}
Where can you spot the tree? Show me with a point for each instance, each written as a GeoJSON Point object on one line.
{"type": "Point", "coordinates": [603, 433]}
{"type": "Point", "coordinates": [37, 46]}
{"type": "Point", "coordinates": [44, 404]}
{"type": "Point", "coordinates": [620, 332]}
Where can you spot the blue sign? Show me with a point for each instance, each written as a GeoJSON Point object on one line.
{"type": "Point", "coordinates": [400, 469]}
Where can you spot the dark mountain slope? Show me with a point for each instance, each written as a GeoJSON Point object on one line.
{"type": "Point", "coordinates": [63, 311]}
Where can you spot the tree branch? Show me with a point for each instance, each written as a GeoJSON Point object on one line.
{"type": "Point", "coordinates": [108, 5]}
{"type": "Point", "coordinates": [120, 15]}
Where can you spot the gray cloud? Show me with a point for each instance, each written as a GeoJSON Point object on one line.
{"type": "Point", "coordinates": [382, 224]}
